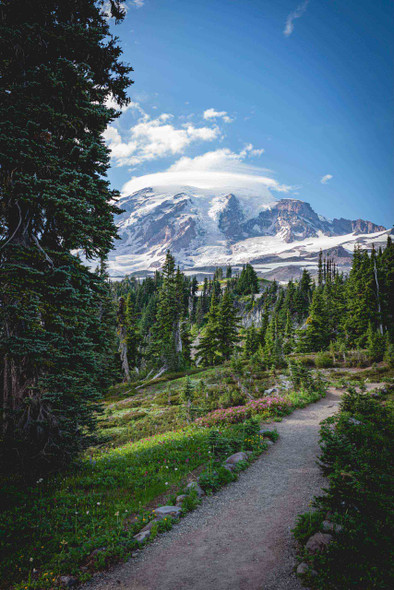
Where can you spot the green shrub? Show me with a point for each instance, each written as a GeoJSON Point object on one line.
{"type": "Point", "coordinates": [225, 476]}
{"type": "Point", "coordinates": [323, 360]}
{"type": "Point", "coordinates": [209, 481]}
{"type": "Point", "coordinates": [251, 426]}
{"type": "Point", "coordinates": [220, 446]}
{"type": "Point", "coordinates": [357, 457]}
{"type": "Point", "coordinates": [307, 525]}
{"type": "Point", "coordinates": [232, 397]}
{"type": "Point", "coordinates": [191, 501]}
{"type": "Point", "coordinates": [271, 434]}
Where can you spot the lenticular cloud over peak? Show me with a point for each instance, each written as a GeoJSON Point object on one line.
{"type": "Point", "coordinates": [220, 170]}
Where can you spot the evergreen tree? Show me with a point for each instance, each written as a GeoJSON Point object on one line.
{"type": "Point", "coordinates": [251, 343]}
{"type": "Point", "coordinates": [272, 351]}
{"type": "Point", "coordinates": [207, 350]}
{"type": "Point", "coordinates": [167, 343]}
{"type": "Point", "coordinates": [186, 343]}
{"type": "Point", "coordinates": [303, 295]}
{"type": "Point", "coordinates": [122, 334]}
{"type": "Point", "coordinates": [187, 397]}
{"type": "Point", "coordinates": [193, 299]}
{"type": "Point", "coordinates": [376, 344]}
{"type": "Point", "coordinates": [148, 316]}
{"type": "Point", "coordinates": [264, 324]}
{"type": "Point", "coordinates": [288, 334]}
{"type": "Point", "coordinates": [361, 301]}
{"type": "Point", "coordinates": [320, 269]}
{"type": "Point", "coordinates": [133, 333]}
{"type": "Point", "coordinates": [58, 64]}
{"type": "Point", "coordinates": [227, 326]}
{"type": "Point", "coordinates": [248, 282]}
{"type": "Point", "coordinates": [317, 335]}
{"type": "Point", "coordinates": [385, 263]}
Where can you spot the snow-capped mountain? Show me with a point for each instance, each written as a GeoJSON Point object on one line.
{"type": "Point", "coordinates": [205, 229]}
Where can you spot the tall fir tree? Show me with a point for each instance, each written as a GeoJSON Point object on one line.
{"type": "Point", "coordinates": [248, 282]}
{"type": "Point", "coordinates": [361, 301]}
{"type": "Point", "coordinates": [133, 333]}
{"type": "Point", "coordinates": [227, 326]}
{"type": "Point", "coordinates": [59, 63]}
{"type": "Point", "coordinates": [386, 263]}
{"type": "Point", "coordinates": [317, 334]}
{"type": "Point", "coordinates": [251, 343]}
{"type": "Point", "coordinates": [167, 341]}
{"type": "Point", "coordinates": [207, 349]}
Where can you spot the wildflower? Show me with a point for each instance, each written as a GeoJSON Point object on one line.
{"type": "Point", "coordinates": [98, 503]}
{"type": "Point", "coordinates": [166, 483]}
{"type": "Point", "coordinates": [31, 559]}
{"type": "Point", "coordinates": [117, 513]}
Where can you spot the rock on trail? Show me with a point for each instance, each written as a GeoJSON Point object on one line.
{"type": "Point", "coordinates": [240, 538]}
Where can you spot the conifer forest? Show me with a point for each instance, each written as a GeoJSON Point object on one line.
{"type": "Point", "coordinates": [124, 403]}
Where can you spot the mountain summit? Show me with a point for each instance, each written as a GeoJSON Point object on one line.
{"type": "Point", "coordinates": [205, 229]}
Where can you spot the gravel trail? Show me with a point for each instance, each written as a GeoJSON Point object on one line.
{"type": "Point", "coordinates": [238, 539]}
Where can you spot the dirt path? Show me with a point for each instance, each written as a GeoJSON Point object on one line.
{"type": "Point", "coordinates": [238, 539]}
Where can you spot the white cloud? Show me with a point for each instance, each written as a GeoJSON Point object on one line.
{"type": "Point", "coordinates": [249, 149]}
{"type": "Point", "coordinates": [297, 13]}
{"type": "Point", "coordinates": [151, 139]}
{"type": "Point", "coordinates": [212, 114]}
{"type": "Point", "coordinates": [112, 104]}
{"type": "Point", "coordinates": [124, 5]}
{"type": "Point", "coordinates": [221, 170]}
{"type": "Point", "coordinates": [326, 178]}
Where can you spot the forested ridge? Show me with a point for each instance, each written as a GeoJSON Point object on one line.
{"type": "Point", "coordinates": [169, 322]}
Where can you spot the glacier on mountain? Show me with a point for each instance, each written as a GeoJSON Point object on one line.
{"type": "Point", "coordinates": [207, 228]}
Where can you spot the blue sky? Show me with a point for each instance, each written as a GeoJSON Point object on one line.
{"type": "Point", "coordinates": [294, 97]}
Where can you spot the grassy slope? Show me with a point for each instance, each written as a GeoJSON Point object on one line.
{"type": "Point", "coordinates": [56, 525]}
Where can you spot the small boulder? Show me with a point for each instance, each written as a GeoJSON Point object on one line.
{"type": "Point", "coordinates": [302, 569]}
{"type": "Point", "coordinates": [331, 527]}
{"type": "Point", "coordinates": [149, 526]}
{"type": "Point", "coordinates": [268, 442]}
{"type": "Point", "coordinates": [180, 499]}
{"type": "Point", "coordinates": [236, 458]}
{"type": "Point", "coordinates": [271, 391]}
{"type": "Point", "coordinates": [318, 542]}
{"type": "Point", "coordinates": [193, 485]}
{"type": "Point", "coordinates": [68, 581]}
{"type": "Point", "coordinates": [166, 511]}
{"type": "Point", "coordinates": [142, 536]}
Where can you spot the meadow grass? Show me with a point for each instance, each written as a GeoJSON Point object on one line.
{"type": "Point", "coordinates": [81, 520]}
